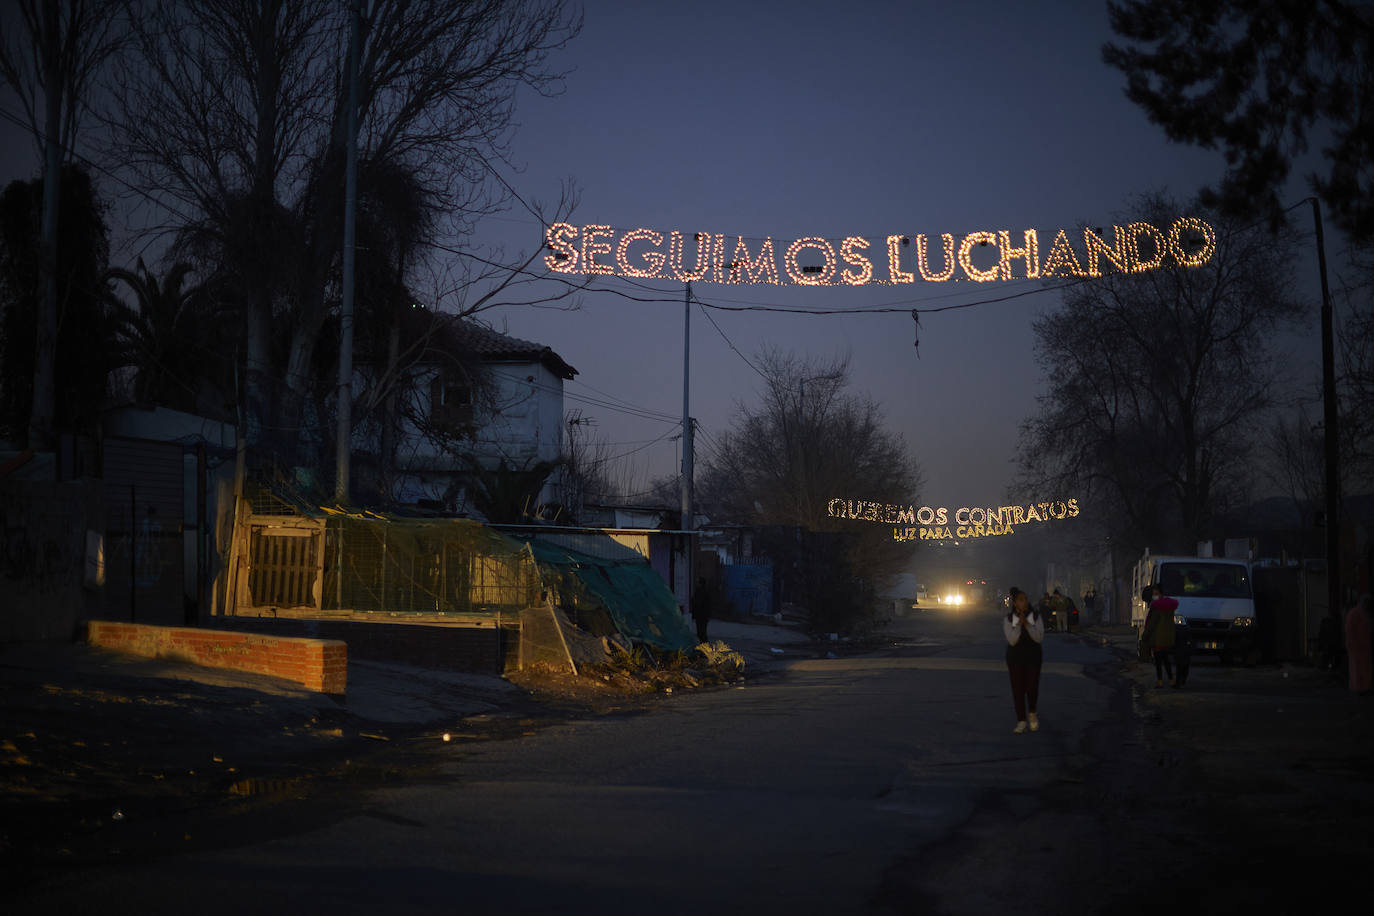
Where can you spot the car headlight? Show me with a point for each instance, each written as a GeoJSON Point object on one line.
{"type": "Point", "coordinates": [1180, 620]}
{"type": "Point", "coordinates": [1245, 621]}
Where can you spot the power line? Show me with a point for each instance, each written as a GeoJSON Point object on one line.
{"type": "Point", "coordinates": [643, 413]}
{"type": "Point", "coordinates": [618, 399]}
{"type": "Point", "coordinates": [23, 124]}
{"type": "Point", "coordinates": [632, 451]}
{"type": "Point", "coordinates": [590, 284]}
{"type": "Point", "coordinates": [731, 344]}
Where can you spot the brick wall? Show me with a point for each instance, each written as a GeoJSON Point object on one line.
{"type": "Point", "coordinates": [447, 647]}
{"type": "Point", "coordinates": [317, 664]}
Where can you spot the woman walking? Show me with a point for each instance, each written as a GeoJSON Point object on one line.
{"type": "Point", "coordinates": [1158, 634]}
{"type": "Point", "coordinates": [1025, 630]}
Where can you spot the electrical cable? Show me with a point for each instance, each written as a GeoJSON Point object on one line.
{"type": "Point", "coordinates": [730, 343]}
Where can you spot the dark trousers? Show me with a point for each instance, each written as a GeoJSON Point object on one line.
{"type": "Point", "coordinates": [701, 627]}
{"type": "Point", "coordinates": [1164, 664]}
{"type": "Point", "coordinates": [1025, 688]}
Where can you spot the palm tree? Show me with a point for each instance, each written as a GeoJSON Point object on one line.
{"type": "Point", "coordinates": [167, 336]}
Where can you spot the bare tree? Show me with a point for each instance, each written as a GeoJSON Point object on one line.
{"type": "Point", "coordinates": [807, 442]}
{"type": "Point", "coordinates": [1156, 381]}
{"type": "Point", "coordinates": [237, 117]}
{"type": "Point", "coordinates": [1295, 462]}
{"type": "Point", "coordinates": [50, 53]}
{"type": "Point", "coordinates": [1357, 381]}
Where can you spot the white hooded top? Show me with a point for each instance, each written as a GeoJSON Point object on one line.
{"type": "Point", "coordinates": [1011, 627]}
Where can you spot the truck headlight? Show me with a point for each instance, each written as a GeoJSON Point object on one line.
{"type": "Point", "coordinates": [1245, 622]}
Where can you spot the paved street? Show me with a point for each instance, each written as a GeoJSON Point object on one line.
{"type": "Point", "coordinates": [888, 782]}
{"type": "Point", "coordinates": [813, 791]}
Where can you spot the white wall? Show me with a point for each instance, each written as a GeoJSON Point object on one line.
{"type": "Point", "coordinates": [520, 421]}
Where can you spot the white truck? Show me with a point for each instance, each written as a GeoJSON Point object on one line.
{"type": "Point", "coordinates": [1216, 602]}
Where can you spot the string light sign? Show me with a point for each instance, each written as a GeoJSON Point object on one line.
{"type": "Point", "coordinates": [930, 523]}
{"type": "Point", "coordinates": [858, 261]}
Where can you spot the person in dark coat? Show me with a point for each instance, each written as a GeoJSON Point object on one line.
{"type": "Point", "coordinates": [1045, 608]}
{"type": "Point", "coordinates": [702, 601]}
{"type": "Point", "coordinates": [1158, 634]}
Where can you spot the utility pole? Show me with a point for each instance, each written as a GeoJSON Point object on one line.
{"type": "Point", "coordinates": [1331, 439]}
{"type": "Point", "coordinates": [345, 388]}
{"type": "Point", "coordinates": [687, 437]}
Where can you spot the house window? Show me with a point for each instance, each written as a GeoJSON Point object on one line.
{"type": "Point", "coordinates": [450, 401]}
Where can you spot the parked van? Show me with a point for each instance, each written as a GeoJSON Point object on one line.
{"type": "Point", "coordinates": [1216, 602]}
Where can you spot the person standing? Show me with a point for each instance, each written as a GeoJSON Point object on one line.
{"type": "Point", "coordinates": [1024, 629]}
{"type": "Point", "coordinates": [1046, 611]}
{"type": "Point", "coordinates": [1158, 634]}
{"type": "Point", "coordinates": [1358, 649]}
{"type": "Point", "coordinates": [701, 608]}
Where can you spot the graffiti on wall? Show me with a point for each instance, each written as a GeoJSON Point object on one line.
{"type": "Point", "coordinates": [41, 543]}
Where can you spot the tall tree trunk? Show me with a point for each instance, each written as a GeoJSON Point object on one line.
{"type": "Point", "coordinates": [261, 411]}
{"type": "Point", "coordinates": [45, 355]}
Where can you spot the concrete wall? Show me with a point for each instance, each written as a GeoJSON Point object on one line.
{"type": "Point", "coordinates": [51, 557]}
{"type": "Point", "coordinates": [316, 664]}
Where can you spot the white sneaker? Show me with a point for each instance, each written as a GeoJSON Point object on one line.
{"type": "Point", "coordinates": [1034, 722]}
{"type": "Point", "coordinates": [1020, 727]}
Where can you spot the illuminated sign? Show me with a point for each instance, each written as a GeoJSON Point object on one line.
{"type": "Point", "coordinates": [933, 523]}
{"type": "Point", "coordinates": [858, 261]}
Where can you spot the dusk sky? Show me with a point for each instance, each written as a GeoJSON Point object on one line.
{"type": "Point", "coordinates": [794, 119]}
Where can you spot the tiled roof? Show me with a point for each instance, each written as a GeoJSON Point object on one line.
{"type": "Point", "coordinates": [495, 346]}
{"type": "Point", "coordinates": [466, 335]}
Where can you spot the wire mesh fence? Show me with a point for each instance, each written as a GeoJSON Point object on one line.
{"type": "Point", "coordinates": [365, 563]}
{"type": "Point", "coordinates": [429, 566]}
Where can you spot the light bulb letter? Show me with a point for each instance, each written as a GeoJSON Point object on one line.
{"type": "Point", "coordinates": [1061, 261]}
{"type": "Point", "coordinates": [762, 268]}
{"type": "Point", "coordinates": [1196, 228]}
{"type": "Point", "coordinates": [796, 274]}
{"type": "Point", "coordinates": [923, 259]}
{"type": "Point", "coordinates": [1030, 253]}
{"type": "Point", "coordinates": [851, 249]}
{"type": "Point", "coordinates": [894, 252]}
{"type": "Point", "coordinates": [703, 243]}
{"type": "Point", "coordinates": [559, 237]}
{"type": "Point", "coordinates": [1119, 256]}
{"type": "Point", "coordinates": [651, 259]}
{"type": "Point", "coordinates": [966, 257]}
{"type": "Point", "coordinates": [593, 246]}
{"type": "Point", "coordinates": [1158, 241]}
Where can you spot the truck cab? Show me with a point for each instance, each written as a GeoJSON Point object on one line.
{"type": "Point", "coordinates": [1216, 602]}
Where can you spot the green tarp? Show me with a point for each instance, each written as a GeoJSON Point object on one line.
{"type": "Point", "coordinates": [634, 597]}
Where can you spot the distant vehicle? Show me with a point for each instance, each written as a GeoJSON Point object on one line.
{"type": "Point", "coordinates": [968, 591]}
{"type": "Point", "coordinates": [1216, 606]}
{"type": "Point", "coordinates": [952, 596]}
{"type": "Point", "coordinates": [978, 591]}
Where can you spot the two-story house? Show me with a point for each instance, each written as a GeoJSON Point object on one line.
{"type": "Point", "coordinates": [455, 399]}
